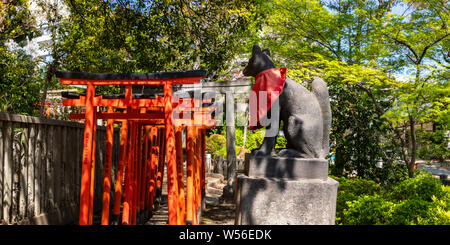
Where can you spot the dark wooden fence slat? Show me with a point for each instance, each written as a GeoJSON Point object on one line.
{"type": "Point", "coordinates": [57, 148]}
{"type": "Point", "coordinates": [30, 173]}
{"type": "Point", "coordinates": [16, 176]}
{"type": "Point", "coordinates": [37, 170]}
{"type": "Point", "coordinates": [7, 170]}
{"type": "Point", "coordinates": [1, 170]}
{"type": "Point", "coordinates": [23, 169]}
{"type": "Point", "coordinates": [50, 169]}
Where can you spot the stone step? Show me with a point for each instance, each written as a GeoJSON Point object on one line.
{"type": "Point", "coordinates": [220, 185]}
{"type": "Point", "coordinates": [215, 176]}
{"type": "Point", "coordinates": [213, 199]}
{"type": "Point", "coordinates": [215, 191]}
{"type": "Point", "coordinates": [212, 182]}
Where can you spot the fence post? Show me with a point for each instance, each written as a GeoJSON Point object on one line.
{"type": "Point", "coordinates": [31, 167]}
{"type": "Point", "coordinates": [1, 170]}
{"type": "Point", "coordinates": [7, 170]}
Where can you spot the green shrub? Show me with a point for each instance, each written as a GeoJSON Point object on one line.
{"type": "Point", "coordinates": [408, 212]}
{"type": "Point", "coordinates": [281, 142]}
{"type": "Point", "coordinates": [240, 152]}
{"type": "Point", "coordinates": [422, 200]}
{"type": "Point", "coordinates": [368, 210]}
{"type": "Point", "coordinates": [422, 187]}
{"type": "Point", "coordinates": [254, 139]}
{"type": "Point", "coordinates": [440, 210]}
{"type": "Point", "coordinates": [216, 145]}
{"type": "Point", "coordinates": [349, 190]}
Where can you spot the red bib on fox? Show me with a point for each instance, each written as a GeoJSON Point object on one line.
{"type": "Point", "coordinates": [268, 86]}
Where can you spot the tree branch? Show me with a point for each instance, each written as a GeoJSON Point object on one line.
{"type": "Point", "coordinates": [372, 97]}
{"type": "Point", "coordinates": [430, 45]}
{"type": "Point", "coordinates": [406, 45]}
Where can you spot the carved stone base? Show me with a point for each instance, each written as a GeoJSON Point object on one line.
{"type": "Point", "coordinates": [285, 191]}
{"type": "Point", "coordinates": [286, 168]}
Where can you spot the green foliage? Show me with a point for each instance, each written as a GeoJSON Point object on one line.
{"type": "Point", "coordinates": [434, 145]}
{"type": "Point", "coordinates": [19, 86]}
{"type": "Point", "coordinates": [19, 81]}
{"type": "Point", "coordinates": [335, 40]}
{"type": "Point", "coordinates": [368, 210]}
{"type": "Point", "coordinates": [408, 212]}
{"type": "Point", "coordinates": [216, 145]}
{"type": "Point", "coordinates": [439, 213]}
{"type": "Point", "coordinates": [420, 200]}
{"type": "Point", "coordinates": [254, 139]}
{"type": "Point", "coordinates": [422, 187]}
{"type": "Point", "coordinates": [358, 47]}
{"type": "Point", "coordinates": [240, 152]}
{"type": "Point", "coordinates": [281, 142]}
{"type": "Point", "coordinates": [16, 22]}
{"type": "Point", "coordinates": [133, 36]}
{"type": "Point", "coordinates": [349, 190]}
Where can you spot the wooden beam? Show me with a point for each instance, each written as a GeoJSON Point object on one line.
{"type": "Point", "coordinates": [184, 80]}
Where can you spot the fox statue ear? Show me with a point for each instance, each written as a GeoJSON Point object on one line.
{"type": "Point", "coordinates": [256, 49]}
{"type": "Point", "coordinates": [266, 51]}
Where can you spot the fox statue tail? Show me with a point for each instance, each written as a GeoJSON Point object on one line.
{"type": "Point", "coordinates": [320, 90]}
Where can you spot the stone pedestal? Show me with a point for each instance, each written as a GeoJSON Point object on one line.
{"type": "Point", "coordinates": [285, 191]}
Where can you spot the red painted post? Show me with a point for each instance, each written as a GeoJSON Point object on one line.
{"type": "Point", "coordinates": [87, 156]}
{"type": "Point", "coordinates": [120, 169]}
{"type": "Point", "coordinates": [92, 184]}
{"type": "Point", "coordinates": [128, 181]}
{"type": "Point", "coordinates": [196, 176]}
{"type": "Point", "coordinates": [190, 175]}
{"type": "Point", "coordinates": [107, 172]}
{"type": "Point", "coordinates": [203, 164]}
{"type": "Point", "coordinates": [134, 174]}
{"type": "Point", "coordinates": [161, 162]}
{"type": "Point", "coordinates": [153, 166]}
{"type": "Point", "coordinates": [170, 155]}
{"type": "Point", "coordinates": [145, 171]}
{"type": "Point", "coordinates": [181, 210]}
{"type": "Point", "coordinates": [159, 172]}
{"type": "Point", "coordinates": [147, 168]}
{"type": "Point", "coordinates": [138, 170]}
{"type": "Point", "coordinates": [91, 193]}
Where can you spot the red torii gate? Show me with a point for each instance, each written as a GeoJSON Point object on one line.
{"type": "Point", "coordinates": [154, 118]}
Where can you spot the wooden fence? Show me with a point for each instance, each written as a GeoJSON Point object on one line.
{"type": "Point", "coordinates": [40, 167]}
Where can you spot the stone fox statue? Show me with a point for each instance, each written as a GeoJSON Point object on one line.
{"type": "Point", "coordinates": [306, 115]}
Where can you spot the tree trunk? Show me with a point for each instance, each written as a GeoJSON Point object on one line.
{"type": "Point", "coordinates": [412, 161]}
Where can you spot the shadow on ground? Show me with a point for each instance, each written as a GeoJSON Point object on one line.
{"type": "Point", "coordinates": [222, 214]}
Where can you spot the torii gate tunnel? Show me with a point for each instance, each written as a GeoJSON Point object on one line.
{"type": "Point", "coordinates": [150, 137]}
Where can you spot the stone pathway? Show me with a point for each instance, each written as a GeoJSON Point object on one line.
{"type": "Point", "coordinates": [434, 168]}
{"type": "Point", "coordinates": [160, 215]}
{"type": "Point", "coordinates": [216, 212]}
